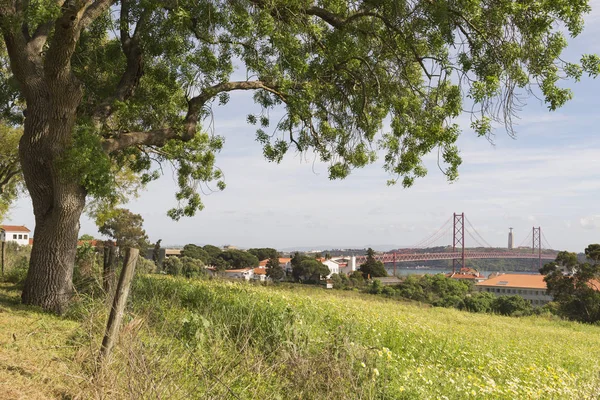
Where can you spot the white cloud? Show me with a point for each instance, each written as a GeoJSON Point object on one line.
{"type": "Point", "coordinates": [590, 222]}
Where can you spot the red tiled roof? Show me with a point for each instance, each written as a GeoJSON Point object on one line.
{"type": "Point", "coordinates": [465, 276]}
{"type": "Point", "coordinates": [260, 271]}
{"type": "Point", "coordinates": [14, 228]}
{"type": "Point", "coordinates": [516, 281]}
{"type": "Point", "coordinates": [594, 284]}
{"type": "Point", "coordinates": [263, 263]}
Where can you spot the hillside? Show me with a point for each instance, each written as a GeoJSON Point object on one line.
{"type": "Point", "coordinates": [215, 339]}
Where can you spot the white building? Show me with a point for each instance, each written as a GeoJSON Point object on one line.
{"type": "Point", "coordinates": [531, 287]}
{"type": "Point", "coordinates": [260, 274]}
{"type": "Point", "coordinates": [246, 273]}
{"type": "Point", "coordinates": [15, 233]}
{"type": "Point", "coordinates": [340, 265]}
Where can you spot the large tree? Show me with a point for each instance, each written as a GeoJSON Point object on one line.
{"type": "Point", "coordinates": [108, 86]}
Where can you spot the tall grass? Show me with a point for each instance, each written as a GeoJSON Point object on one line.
{"type": "Point", "coordinates": [216, 339]}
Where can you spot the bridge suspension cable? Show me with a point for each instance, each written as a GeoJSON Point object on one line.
{"type": "Point", "coordinates": [477, 233]}
{"type": "Point", "coordinates": [548, 246]}
{"type": "Point", "coordinates": [432, 238]}
{"type": "Point", "coordinates": [526, 240]}
{"type": "Point", "coordinates": [475, 239]}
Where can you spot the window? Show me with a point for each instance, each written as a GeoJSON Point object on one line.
{"type": "Point", "coordinates": [20, 236]}
{"type": "Point", "coordinates": [24, 236]}
{"type": "Point", "coordinates": [14, 236]}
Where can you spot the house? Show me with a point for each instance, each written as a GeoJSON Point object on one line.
{"type": "Point", "coordinates": [246, 273]}
{"type": "Point", "coordinates": [340, 265]}
{"type": "Point", "coordinates": [260, 274]}
{"type": "Point", "coordinates": [530, 287]}
{"type": "Point", "coordinates": [15, 233]}
{"type": "Point", "coordinates": [467, 274]}
{"type": "Point", "coordinates": [284, 262]}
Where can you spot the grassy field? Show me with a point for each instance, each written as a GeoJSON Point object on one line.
{"type": "Point", "coordinates": [217, 339]}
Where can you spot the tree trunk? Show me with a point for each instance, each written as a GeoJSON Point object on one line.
{"type": "Point", "coordinates": [58, 200]}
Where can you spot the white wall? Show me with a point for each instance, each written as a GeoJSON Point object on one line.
{"type": "Point", "coordinates": [24, 237]}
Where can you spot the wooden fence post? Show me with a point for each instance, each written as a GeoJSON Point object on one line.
{"type": "Point", "coordinates": [109, 268]}
{"type": "Point", "coordinates": [118, 307]}
{"type": "Point", "coordinates": [3, 256]}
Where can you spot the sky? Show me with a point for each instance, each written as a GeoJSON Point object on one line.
{"type": "Point", "coordinates": [549, 176]}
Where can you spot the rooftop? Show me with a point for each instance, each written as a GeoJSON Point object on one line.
{"type": "Point", "coordinates": [14, 228]}
{"type": "Point", "coordinates": [516, 281]}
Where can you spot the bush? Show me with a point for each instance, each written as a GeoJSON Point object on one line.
{"type": "Point", "coordinates": [172, 266]}
{"type": "Point", "coordinates": [192, 268]}
{"type": "Point", "coordinates": [376, 287]}
{"type": "Point", "coordinates": [388, 291]}
{"type": "Point", "coordinates": [18, 270]}
{"type": "Point", "coordinates": [511, 305]}
{"type": "Point", "coordinates": [478, 302]}
{"type": "Point", "coordinates": [145, 266]}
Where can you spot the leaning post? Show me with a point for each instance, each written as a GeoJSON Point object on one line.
{"type": "Point", "coordinates": [118, 307]}
{"type": "Point", "coordinates": [3, 256]}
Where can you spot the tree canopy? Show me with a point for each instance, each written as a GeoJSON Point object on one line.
{"type": "Point", "coordinates": [237, 259]}
{"type": "Point", "coordinates": [310, 270]}
{"type": "Point", "coordinates": [578, 291]}
{"type": "Point", "coordinates": [197, 252]}
{"type": "Point", "coordinates": [274, 270]}
{"type": "Point", "coordinates": [126, 229]}
{"type": "Point", "coordinates": [264, 253]}
{"type": "Point", "coordinates": [371, 267]}
{"type": "Point", "coordinates": [338, 69]}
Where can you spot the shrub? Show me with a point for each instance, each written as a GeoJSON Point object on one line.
{"type": "Point", "coordinates": [511, 305]}
{"type": "Point", "coordinates": [172, 266]}
{"type": "Point", "coordinates": [145, 266]}
{"type": "Point", "coordinates": [478, 302]}
{"type": "Point", "coordinates": [18, 270]}
{"type": "Point", "coordinates": [388, 291]}
{"type": "Point", "coordinates": [376, 287]}
{"type": "Point", "coordinates": [192, 268]}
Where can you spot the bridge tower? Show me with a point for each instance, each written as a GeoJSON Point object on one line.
{"type": "Point", "coordinates": [458, 239]}
{"type": "Point", "coordinates": [537, 243]}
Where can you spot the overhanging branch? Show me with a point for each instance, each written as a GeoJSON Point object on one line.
{"type": "Point", "coordinates": [159, 137]}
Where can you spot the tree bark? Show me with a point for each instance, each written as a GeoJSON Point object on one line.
{"type": "Point", "coordinates": [58, 200]}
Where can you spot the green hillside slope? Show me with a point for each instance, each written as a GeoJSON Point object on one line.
{"type": "Point", "coordinates": [216, 339]}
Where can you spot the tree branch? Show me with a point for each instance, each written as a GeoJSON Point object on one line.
{"type": "Point", "coordinates": [93, 11]}
{"type": "Point", "coordinates": [134, 69]}
{"type": "Point", "coordinates": [40, 36]}
{"type": "Point", "coordinates": [159, 137]}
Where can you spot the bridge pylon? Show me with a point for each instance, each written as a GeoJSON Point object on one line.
{"type": "Point", "coordinates": [458, 239]}
{"type": "Point", "coordinates": [536, 235]}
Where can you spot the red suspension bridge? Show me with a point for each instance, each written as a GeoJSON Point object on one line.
{"type": "Point", "coordinates": [457, 252]}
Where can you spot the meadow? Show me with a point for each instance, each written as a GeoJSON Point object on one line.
{"type": "Point", "coordinates": [218, 339]}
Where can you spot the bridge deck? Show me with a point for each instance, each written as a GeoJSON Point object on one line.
{"type": "Point", "coordinates": [389, 258]}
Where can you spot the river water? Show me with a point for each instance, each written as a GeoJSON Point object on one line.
{"type": "Point", "coordinates": [433, 271]}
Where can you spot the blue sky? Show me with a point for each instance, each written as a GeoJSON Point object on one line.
{"type": "Point", "coordinates": [548, 176]}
